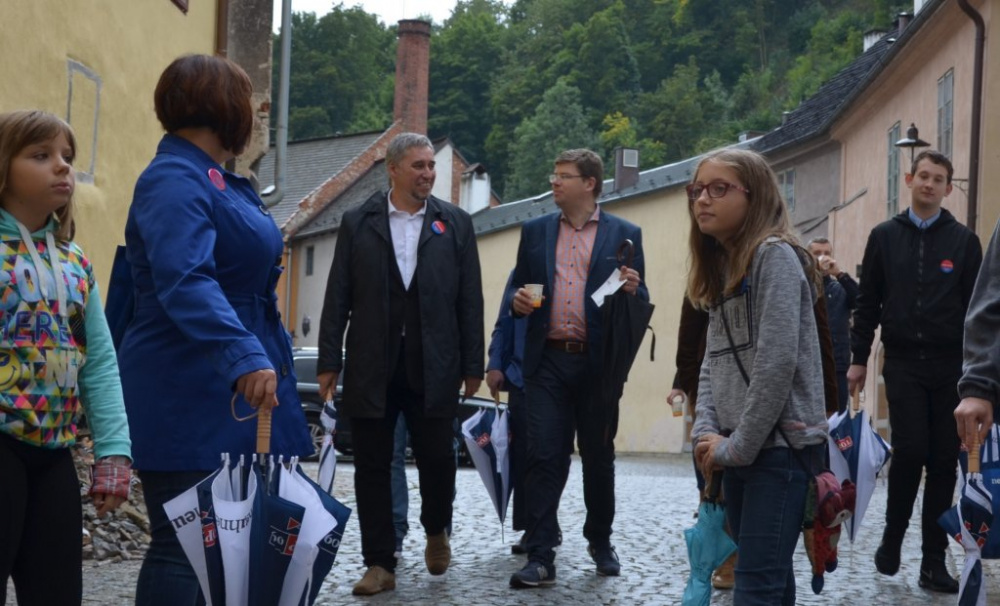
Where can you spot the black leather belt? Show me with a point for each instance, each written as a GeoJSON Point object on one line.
{"type": "Point", "coordinates": [572, 347]}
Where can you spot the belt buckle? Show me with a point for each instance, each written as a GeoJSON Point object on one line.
{"type": "Point", "coordinates": [574, 347]}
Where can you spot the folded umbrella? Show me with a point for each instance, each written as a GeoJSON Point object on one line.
{"type": "Point", "coordinates": [708, 545]}
{"type": "Point", "coordinates": [327, 452]}
{"type": "Point", "coordinates": [487, 437]}
{"type": "Point", "coordinates": [625, 319]}
{"type": "Point", "coordinates": [857, 453]}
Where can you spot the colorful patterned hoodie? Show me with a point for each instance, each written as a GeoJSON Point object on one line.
{"type": "Point", "coordinates": [55, 346]}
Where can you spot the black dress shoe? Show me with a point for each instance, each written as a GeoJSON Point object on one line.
{"type": "Point", "coordinates": [606, 560]}
{"type": "Point", "coordinates": [934, 576]}
{"type": "Point", "coordinates": [887, 559]}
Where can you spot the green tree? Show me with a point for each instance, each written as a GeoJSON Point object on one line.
{"type": "Point", "coordinates": [557, 124]}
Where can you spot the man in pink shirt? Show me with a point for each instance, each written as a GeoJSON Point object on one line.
{"type": "Point", "coordinates": [571, 254]}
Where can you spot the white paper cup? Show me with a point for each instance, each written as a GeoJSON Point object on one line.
{"type": "Point", "coordinates": [535, 290]}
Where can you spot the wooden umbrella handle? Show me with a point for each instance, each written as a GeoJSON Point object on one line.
{"type": "Point", "coordinates": [974, 455]}
{"type": "Point", "coordinates": [856, 400]}
{"type": "Point", "coordinates": [264, 430]}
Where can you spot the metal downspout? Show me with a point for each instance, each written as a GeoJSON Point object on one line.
{"type": "Point", "coordinates": [274, 195]}
{"type": "Point", "coordinates": [977, 111]}
{"type": "Point", "coordinates": [222, 28]}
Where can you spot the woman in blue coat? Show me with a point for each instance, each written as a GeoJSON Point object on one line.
{"type": "Point", "coordinates": [205, 259]}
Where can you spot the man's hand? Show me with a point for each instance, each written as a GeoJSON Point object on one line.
{"type": "Point", "coordinates": [675, 393]}
{"type": "Point", "coordinates": [522, 302]}
{"type": "Point", "coordinates": [327, 384]}
{"type": "Point", "coordinates": [856, 376]}
{"type": "Point", "coordinates": [471, 386]}
{"type": "Point", "coordinates": [494, 380]}
{"type": "Point", "coordinates": [704, 453]}
{"type": "Point", "coordinates": [974, 417]}
{"type": "Point", "coordinates": [631, 279]}
{"type": "Point", "coordinates": [828, 265]}
{"type": "Point", "coordinates": [258, 387]}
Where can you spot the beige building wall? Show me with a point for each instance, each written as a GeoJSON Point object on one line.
{"type": "Point", "coordinates": [646, 423]}
{"type": "Point", "coordinates": [989, 159]}
{"type": "Point", "coordinates": [907, 91]}
{"type": "Point", "coordinates": [97, 63]}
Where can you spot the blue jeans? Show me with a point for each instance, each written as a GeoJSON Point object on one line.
{"type": "Point", "coordinates": [765, 503]}
{"type": "Point", "coordinates": [400, 490]}
{"type": "Point", "coordinates": [166, 577]}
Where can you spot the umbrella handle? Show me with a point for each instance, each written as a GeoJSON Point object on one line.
{"type": "Point", "coordinates": [264, 430]}
{"type": "Point", "coordinates": [626, 253]}
{"type": "Point", "coordinates": [856, 400]}
{"type": "Point", "coordinates": [974, 455]}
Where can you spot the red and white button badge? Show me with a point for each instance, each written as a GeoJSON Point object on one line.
{"type": "Point", "coordinates": [438, 227]}
{"type": "Point", "coordinates": [947, 266]}
{"type": "Point", "coordinates": [217, 179]}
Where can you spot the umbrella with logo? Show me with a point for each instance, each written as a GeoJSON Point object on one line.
{"type": "Point", "coordinates": [970, 521]}
{"type": "Point", "coordinates": [262, 530]}
{"type": "Point", "coordinates": [487, 437]}
{"type": "Point", "coordinates": [708, 544]}
{"type": "Point", "coordinates": [857, 453]}
{"type": "Point", "coordinates": [327, 452]}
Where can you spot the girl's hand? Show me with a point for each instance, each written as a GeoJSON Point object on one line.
{"type": "Point", "coordinates": [258, 387]}
{"type": "Point", "coordinates": [704, 452]}
{"type": "Point", "coordinates": [111, 480]}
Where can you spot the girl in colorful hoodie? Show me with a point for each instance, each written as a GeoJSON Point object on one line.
{"type": "Point", "coordinates": [56, 358]}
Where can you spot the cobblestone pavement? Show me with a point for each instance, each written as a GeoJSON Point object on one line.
{"type": "Point", "coordinates": [656, 500]}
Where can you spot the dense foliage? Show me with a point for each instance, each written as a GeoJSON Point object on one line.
{"type": "Point", "coordinates": [512, 83]}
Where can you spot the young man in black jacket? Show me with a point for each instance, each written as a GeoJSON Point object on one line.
{"type": "Point", "coordinates": [917, 277]}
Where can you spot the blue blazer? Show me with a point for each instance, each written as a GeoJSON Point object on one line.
{"type": "Point", "coordinates": [536, 264]}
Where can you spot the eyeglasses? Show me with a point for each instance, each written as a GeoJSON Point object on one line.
{"type": "Point", "coordinates": [562, 177]}
{"type": "Point", "coordinates": [715, 189]}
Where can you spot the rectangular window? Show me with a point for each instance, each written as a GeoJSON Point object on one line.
{"type": "Point", "coordinates": [786, 180]}
{"type": "Point", "coordinates": [892, 174]}
{"type": "Point", "coordinates": [310, 252]}
{"type": "Point", "coordinates": [945, 108]}
{"type": "Point", "coordinates": [83, 109]}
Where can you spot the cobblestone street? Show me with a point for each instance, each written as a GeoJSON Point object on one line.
{"type": "Point", "coordinates": [656, 500]}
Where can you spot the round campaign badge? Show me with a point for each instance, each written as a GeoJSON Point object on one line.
{"type": "Point", "coordinates": [438, 227]}
{"type": "Point", "coordinates": [216, 178]}
{"type": "Point", "coordinates": [947, 266]}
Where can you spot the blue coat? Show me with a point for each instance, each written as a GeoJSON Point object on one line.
{"type": "Point", "coordinates": [507, 341]}
{"type": "Point", "coordinates": [536, 264]}
{"type": "Point", "coordinates": [205, 259]}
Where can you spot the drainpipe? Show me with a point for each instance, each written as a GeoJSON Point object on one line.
{"type": "Point", "coordinates": [222, 28]}
{"type": "Point", "coordinates": [977, 110]}
{"type": "Point", "coordinates": [274, 194]}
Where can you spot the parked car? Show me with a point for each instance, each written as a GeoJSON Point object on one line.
{"type": "Point", "coordinates": [312, 404]}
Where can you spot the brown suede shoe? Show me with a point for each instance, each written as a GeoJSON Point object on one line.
{"type": "Point", "coordinates": [376, 580]}
{"type": "Point", "coordinates": [723, 577]}
{"type": "Point", "coordinates": [437, 555]}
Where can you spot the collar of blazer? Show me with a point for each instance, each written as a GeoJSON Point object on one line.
{"type": "Point", "coordinates": [378, 206]}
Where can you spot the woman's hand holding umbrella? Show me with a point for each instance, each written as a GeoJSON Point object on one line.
{"type": "Point", "coordinates": [258, 387]}
{"type": "Point", "coordinates": [704, 453]}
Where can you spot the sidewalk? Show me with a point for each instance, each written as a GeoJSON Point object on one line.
{"type": "Point", "coordinates": [656, 499]}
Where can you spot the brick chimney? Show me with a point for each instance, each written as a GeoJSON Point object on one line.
{"type": "Point", "coordinates": [412, 75]}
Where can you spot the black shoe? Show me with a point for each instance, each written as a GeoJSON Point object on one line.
{"type": "Point", "coordinates": [934, 576]}
{"type": "Point", "coordinates": [534, 574]}
{"type": "Point", "coordinates": [887, 558]}
{"type": "Point", "coordinates": [606, 560]}
{"type": "Point", "coordinates": [521, 547]}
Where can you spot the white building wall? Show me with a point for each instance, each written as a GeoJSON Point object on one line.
{"type": "Point", "coordinates": [312, 288]}
{"type": "Point", "coordinates": [442, 185]}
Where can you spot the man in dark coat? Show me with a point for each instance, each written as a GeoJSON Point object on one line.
{"type": "Point", "coordinates": [841, 298]}
{"type": "Point", "coordinates": [570, 254]}
{"type": "Point", "coordinates": [406, 276]}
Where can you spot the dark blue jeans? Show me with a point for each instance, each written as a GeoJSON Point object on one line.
{"type": "Point", "coordinates": [166, 577]}
{"type": "Point", "coordinates": [559, 398]}
{"type": "Point", "coordinates": [400, 489]}
{"type": "Point", "coordinates": [765, 504]}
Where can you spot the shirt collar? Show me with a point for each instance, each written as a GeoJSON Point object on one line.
{"type": "Point", "coordinates": [393, 209]}
{"type": "Point", "coordinates": [923, 223]}
{"type": "Point", "coordinates": [593, 217]}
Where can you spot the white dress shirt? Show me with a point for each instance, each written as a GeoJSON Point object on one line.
{"type": "Point", "coordinates": [405, 231]}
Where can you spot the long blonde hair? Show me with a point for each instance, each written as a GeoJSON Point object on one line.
{"type": "Point", "coordinates": [19, 129]}
{"type": "Point", "coordinates": [716, 271]}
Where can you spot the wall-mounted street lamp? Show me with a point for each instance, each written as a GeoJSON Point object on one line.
{"type": "Point", "coordinates": [306, 325]}
{"type": "Point", "coordinates": [912, 141]}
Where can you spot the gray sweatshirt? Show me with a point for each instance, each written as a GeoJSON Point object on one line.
{"type": "Point", "coordinates": [981, 364]}
{"type": "Point", "coordinates": [774, 332]}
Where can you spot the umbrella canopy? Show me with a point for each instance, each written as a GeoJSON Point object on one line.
{"type": "Point", "coordinates": [487, 437]}
{"type": "Point", "coordinates": [259, 534]}
{"type": "Point", "coordinates": [327, 453]}
{"type": "Point", "coordinates": [625, 319]}
{"type": "Point", "coordinates": [969, 522]}
{"type": "Point", "coordinates": [857, 453]}
{"type": "Point", "coordinates": [708, 545]}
